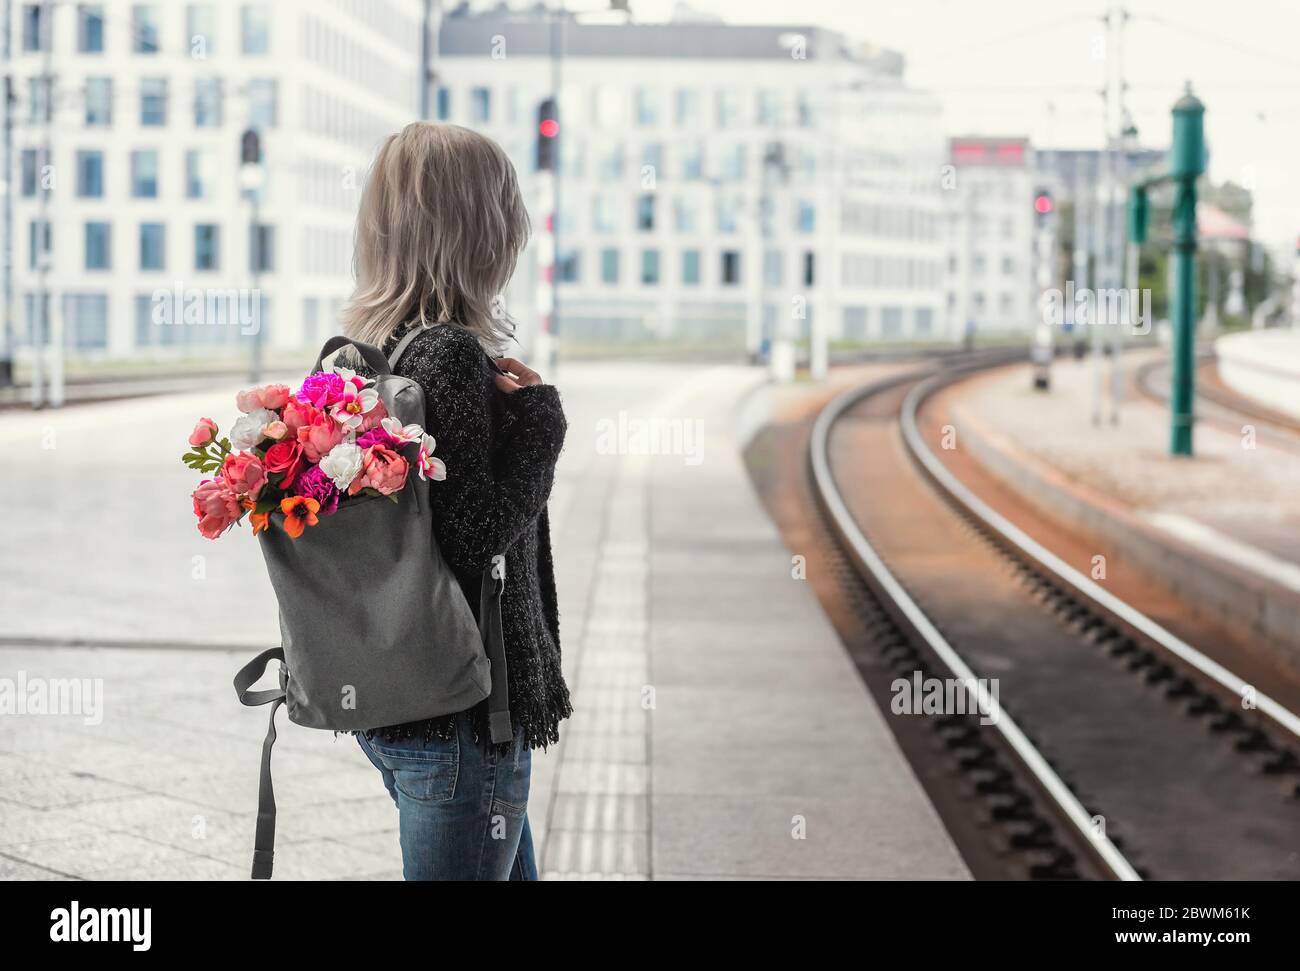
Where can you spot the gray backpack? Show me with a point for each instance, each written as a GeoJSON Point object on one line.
{"type": "Point", "coordinates": [374, 628]}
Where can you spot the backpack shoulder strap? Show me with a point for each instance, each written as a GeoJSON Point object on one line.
{"type": "Point", "coordinates": [264, 838]}
{"type": "Point", "coordinates": [403, 344]}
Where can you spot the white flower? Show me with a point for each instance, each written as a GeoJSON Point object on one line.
{"type": "Point", "coordinates": [352, 409]}
{"type": "Point", "coordinates": [429, 465]}
{"type": "Point", "coordinates": [351, 377]}
{"type": "Point", "coordinates": [247, 430]}
{"type": "Point", "coordinates": [342, 464]}
{"type": "Point", "coordinates": [403, 433]}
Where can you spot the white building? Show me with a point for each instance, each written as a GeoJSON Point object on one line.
{"type": "Point", "coordinates": [716, 180]}
{"type": "Point", "coordinates": [992, 276]}
{"type": "Point", "coordinates": [150, 101]}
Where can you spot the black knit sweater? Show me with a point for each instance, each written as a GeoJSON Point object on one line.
{"type": "Point", "coordinates": [500, 450]}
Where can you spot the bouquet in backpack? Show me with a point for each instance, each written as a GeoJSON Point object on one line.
{"type": "Point", "coordinates": [304, 453]}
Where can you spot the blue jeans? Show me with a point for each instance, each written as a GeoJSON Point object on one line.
{"type": "Point", "coordinates": [462, 811]}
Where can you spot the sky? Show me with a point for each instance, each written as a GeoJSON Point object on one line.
{"type": "Point", "coordinates": [1025, 67]}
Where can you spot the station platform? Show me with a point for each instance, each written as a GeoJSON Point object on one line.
{"type": "Point", "coordinates": [720, 731]}
{"type": "Point", "coordinates": [1219, 528]}
{"type": "Point", "coordinates": [1263, 365]}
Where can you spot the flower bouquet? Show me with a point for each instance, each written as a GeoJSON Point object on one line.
{"type": "Point", "coordinates": [304, 453]}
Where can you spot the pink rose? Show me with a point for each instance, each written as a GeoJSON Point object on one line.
{"type": "Point", "coordinates": [276, 430]}
{"type": "Point", "coordinates": [272, 396]}
{"type": "Point", "coordinates": [320, 436]}
{"type": "Point", "coordinates": [275, 396]}
{"type": "Point", "coordinates": [204, 432]}
{"type": "Point", "coordinates": [296, 414]}
{"type": "Point", "coordinates": [382, 469]}
{"type": "Point", "coordinates": [244, 474]}
{"type": "Point", "coordinates": [216, 506]}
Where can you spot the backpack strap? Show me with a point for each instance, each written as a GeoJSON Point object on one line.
{"type": "Point", "coordinates": [264, 840]}
{"type": "Point", "coordinates": [489, 620]}
{"type": "Point", "coordinates": [403, 344]}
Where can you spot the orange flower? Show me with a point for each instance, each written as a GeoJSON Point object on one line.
{"type": "Point", "coordinates": [260, 521]}
{"type": "Point", "coordinates": [299, 513]}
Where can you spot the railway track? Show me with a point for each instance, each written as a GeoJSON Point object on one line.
{"type": "Point", "coordinates": [1116, 750]}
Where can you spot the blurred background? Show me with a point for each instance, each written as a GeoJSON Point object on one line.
{"type": "Point", "coordinates": [702, 165]}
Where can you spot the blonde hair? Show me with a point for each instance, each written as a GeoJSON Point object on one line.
{"type": "Point", "coordinates": [439, 230]}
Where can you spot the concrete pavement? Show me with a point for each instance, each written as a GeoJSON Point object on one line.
{"type": "Point", "coordinates": [720, 730]}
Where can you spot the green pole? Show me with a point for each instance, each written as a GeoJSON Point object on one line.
{"type": "Point", "coordinates": [1186, 163]}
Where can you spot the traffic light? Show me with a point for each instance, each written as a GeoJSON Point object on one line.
{"type": "Point", "coordinates": [548, 132]}
{"type": "Point", "coordinates": [1043, 202]}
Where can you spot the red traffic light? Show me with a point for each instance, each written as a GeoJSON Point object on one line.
{"type": "Point", "coordinates": [1043, 205]}
{"type": "Point", "coordinates": [548, 128]}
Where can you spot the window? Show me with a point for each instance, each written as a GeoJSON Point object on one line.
{"type": "Point", "coordinates": [728, 213]}
{"type": "Point", "coordinates": [262, 110]}
{"type": "Point", "coordinates": [609, 162]}
{"type": "Point", "coordinates": [806, 217]}
{"type": "Point", "coordinates": [1008, 266]}
{"type": "Point", "coordinates": [480, 105]}
{"type": "Point", "coordinates": [891, 322]}
{"type": "Point", "coordinates": [153, 246]}
{"type": "Point", "coordinates": [99, 246]}
{"type": "Point", "coordinates": [207, 103]}
{"type": "Point", "coordinates": [690, 267]}
{"type": "Point", "coordinates": [604, 214]}
{"type": "Point", "coordinates": [647, 106]}
{"type": "Point", "coordinates": [261, 248]}
{"type": "Point", "coordinates": [444, 103]}
{"type": "Point", "coordinates": [809, 268]}
{"type": "Point", "coordinates": [311, 320]}
{"type": "Point", "coordinates": [99, 102]}
{"type": "Point", "coordinates": [39, 106]}
{"type": "Point", "coordinates": [207, 246]}
{"type": "Point", "coordinates": [730, 267]}
{"type": "Point", "coordinates": [650, 267]}
{"type": "Point", "coordinates": [40, 241]}
{"type": "Point", "coordinates": [566, 266]}
{"type": "Point", "coordinates": [90, 28]}
{"type": "Point", "coordinates": [144, 174]}
{"type": "Point", "coordinates": [255, 25]}
{"type": "Point", "coordinates": [728, 108]}
{"type": "Point", "coordinates": [692, 155]}
{"type": "Point", "coordinates": [733, 163]}
{"type": "Point", "coordinates": [33, 161]}
{"type": "Point", "coordinates": [609, 266]}
{"type": "Point", "coordinates": [645, 212]}
{"type": "Point", "coordinates": [773, 268]}
{"type": "Point", "coordinates": [200, 29]}
{"type": "Point", "coordinates": [153, 101]}
{"type": "Point", "coordinates": [684, 215]}
{"type": "Point", "coordinates": [652, 160]}
{"type": "Point", "coordinates": [36, 30]}
{"type": "Point", "coordinates": [769, 107]}
{"type": "Point", "coordinates": [199, 172]}
{"type": "Point", "coordinates": [85, 321]}
{"type": "Point", "coordinates": [144, 28]}
{"type": "Point", "coordinates": [90, 174]}
{"type": "Point", "coordinates": [688, 108]}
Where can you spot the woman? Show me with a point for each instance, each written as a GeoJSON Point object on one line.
{"type": "Point", "coordinates": [440, 228]}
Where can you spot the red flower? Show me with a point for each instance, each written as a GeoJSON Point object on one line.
{"type": "Point", "coordinates": [284, 457]}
